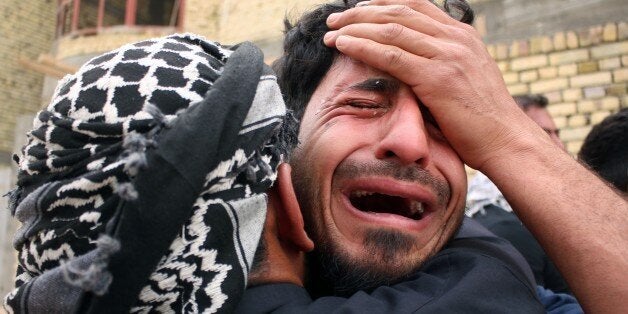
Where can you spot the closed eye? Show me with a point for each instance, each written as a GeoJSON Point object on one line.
{"type": "Point", "coordinates": [365, 105]}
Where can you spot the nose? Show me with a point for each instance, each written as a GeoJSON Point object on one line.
{"type": "Point", "coordinates": [404, 136]}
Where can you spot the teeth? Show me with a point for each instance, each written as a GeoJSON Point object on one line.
{"type": "Point", "coordinates": [416, 207]}
{"type": "Point", "coordinates": [361, 193]}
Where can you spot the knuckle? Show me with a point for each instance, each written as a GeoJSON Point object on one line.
{"type": "Point", "coordinates": [392, 31]}
{"type": "Point", "coordinates": [400, 10]}
{"type": "Point", "coordinates": [392, 57]}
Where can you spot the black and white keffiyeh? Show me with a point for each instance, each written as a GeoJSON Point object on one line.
{"type": "Point", "coordinates": [142, 185]}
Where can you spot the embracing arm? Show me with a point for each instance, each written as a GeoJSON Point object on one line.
{"type": "Point", "coordinates": [475, 264]}
{"type": "Point", "coordinates": [450, 71]}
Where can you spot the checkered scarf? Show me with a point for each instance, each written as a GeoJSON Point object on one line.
{"type": "Point", "coordinates": [142, 185]}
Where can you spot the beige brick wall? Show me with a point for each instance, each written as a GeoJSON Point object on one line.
{"type": "Point", "coordinates": [27, 29]}
{"type": "Point", "coordinates": [230, 22]}
{"type": "Point", "coordinates": [571, 67]}
{"type": "Point", "coordinates": [584, 74]}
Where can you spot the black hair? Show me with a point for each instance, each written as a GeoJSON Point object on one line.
{"type": "Point", "coordinates": [605, 149]}
{"type": "Point", "coordinates": [306, 60]}
{"type": "Point", "coordinates": [530, 100]}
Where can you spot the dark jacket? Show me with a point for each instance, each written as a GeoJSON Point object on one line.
{"type": "Point", "coordinates": [476, 272]}
{"type": "Point", "coordinates": [508, 226]}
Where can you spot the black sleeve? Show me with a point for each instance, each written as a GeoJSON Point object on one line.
{"type": "Point", "coordinates": [507, 226]}
{"type": "Point", "coordinates": [477, 274]}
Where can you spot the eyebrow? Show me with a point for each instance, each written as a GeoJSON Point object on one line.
{"type": "Point", "coordinates": [379, 85]}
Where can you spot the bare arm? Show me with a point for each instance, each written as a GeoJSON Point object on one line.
{"type": "Point", "coordinates": [579, 220]}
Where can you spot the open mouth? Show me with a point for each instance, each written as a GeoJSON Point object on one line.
{"type": "Point", "coordinates": [372, 202]}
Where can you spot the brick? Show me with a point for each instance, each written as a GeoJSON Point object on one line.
{"type": "Point", "coordinates": [560, 41]}
{"type": "Point", "coordinates": [597, 117]}
{"type": "Point", "coordinates": [536, 45]}
{"type": "Point", "coordinates": [561, 122]}
{"type": "Point", "coordinates": [526, 63]}
{"type": "Point", "coordinates": [570, 56]}
{"type": "Point", "coordinates": [573, 147]}
{"type": "Point", "coordinates": [609, 50]}
{"type": "Point", "coordinates": [583, 38]}
{"type": "Point", "coordinates": [624, 101]}
{"type": "Point", "coordinates": [622, 30]}
{"type": "Point", "coordinates": [610, 63]}
{"type": "Point", "coordinates": [609, 103]}
{"type": "Point", "coordinates": [620, 75]}
{"type": "Point", "coordinates": [562, 109]}
{"type": "Point", "coordinates": [548, 72]}
{"type": "Point", "coordinates": [554, 97]}
{"type": "Point", "coordinates": [524, 48]}
{"type": "Point", "coordinates": [567, 70]}
{"type": "Point", "coordinates": [590, 37]}
{"type": "Point", "coordinates": [518, 89]}
{"type": "Point", "coordinates": [572, 40]}
{"type": "Point", "coordinates": [547, 44]}
{"type": "Point", "coordinates": [574, 134]}
{"type": "Point", "coordinates": [572, 94]}
{"type": "Point", "coordinates": [610, 32]}
{"type": "Point", "coordinates": [511, 78]}
{"type": "Point", "coordinates": [514, 50]}
{"type": "Point", "coordinates": [618, 89]}
{"type": "Point", "coordinates": [27, 29]}
{"type": "Point", "coordinates": [592, 79]}
{"type": "Point", "coordinates": [624, 60]}
{"type": "Point", "coordinates": [528, 76]}
{"type": "Point", "coordinates": [548, 85]}
{"type": "Point", "coordinates": [503, 66]}
{"type": "Point", "coordinates": [502, 51]}
{"type": "Point", "coordinates": [577, 120]}
{"type": "Point", "coordinates": [492, 50]}
{"type": "Point", "coordinates": [594, 92]}
{"type": "Point", "coordinates": [587, 67]}
{"type": "Point", "coordinates": [586, 106]}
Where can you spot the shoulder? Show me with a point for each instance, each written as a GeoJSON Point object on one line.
{"type": "Point", "coordinates": [481, 273]}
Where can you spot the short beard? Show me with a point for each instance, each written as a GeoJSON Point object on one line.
{"type": "Point", "coordinates": [330, 270]}
{"type": "Point", "coordinates": [333, 272]}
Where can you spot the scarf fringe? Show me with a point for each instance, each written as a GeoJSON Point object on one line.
{"type": "Point", "coordinates": [95, 278]}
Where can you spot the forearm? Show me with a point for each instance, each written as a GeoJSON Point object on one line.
{"type": "Point", "coordinates": [579, 220]}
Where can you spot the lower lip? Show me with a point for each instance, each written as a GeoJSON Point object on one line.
{"type": "Point", "coordinates": [388, 220]}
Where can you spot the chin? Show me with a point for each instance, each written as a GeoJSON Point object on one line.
{"type": "Point", "coordinates": [387, 259]}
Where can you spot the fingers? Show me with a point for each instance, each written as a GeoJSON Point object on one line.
{"type": "Point", "coordinates": [398, 14]}
{"type": "Point", "coordinates": [424, 6]}
{"type": "Point", "coordinates": [390, 34]}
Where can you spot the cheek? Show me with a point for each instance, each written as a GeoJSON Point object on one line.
{"type": "Point", "coordinates": [452, 168]}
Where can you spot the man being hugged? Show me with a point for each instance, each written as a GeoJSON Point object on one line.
{"type": "Point", "coordinates": [394, 96]}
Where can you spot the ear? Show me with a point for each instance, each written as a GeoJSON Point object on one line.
{"type": "Point", "coordinates": [289, 217]}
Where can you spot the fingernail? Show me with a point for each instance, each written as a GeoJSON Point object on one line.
{"type": "Point", "coordinates": [332, 18]}
{"type": "Point", "coordinates": [362, 4]}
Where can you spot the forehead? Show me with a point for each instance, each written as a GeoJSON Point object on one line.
{"type": "Point", "coordinates": [346, 71]}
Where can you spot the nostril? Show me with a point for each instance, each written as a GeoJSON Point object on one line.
{"type": "Point", "coordinates": [389, 154]}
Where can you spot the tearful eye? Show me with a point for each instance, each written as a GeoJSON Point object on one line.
{"type": "Point", "coordinates": [365, 108]}
{"type": "Point", "coordinates": [365, 105]}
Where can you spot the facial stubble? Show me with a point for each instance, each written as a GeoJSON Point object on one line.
{"type": "Point", "coordinates": [330, 269]}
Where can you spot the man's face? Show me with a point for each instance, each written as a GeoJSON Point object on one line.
{"type": "Point", "coordinates": [544, 120]}
{"type": "Point", "coordinates": [380, 187]}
